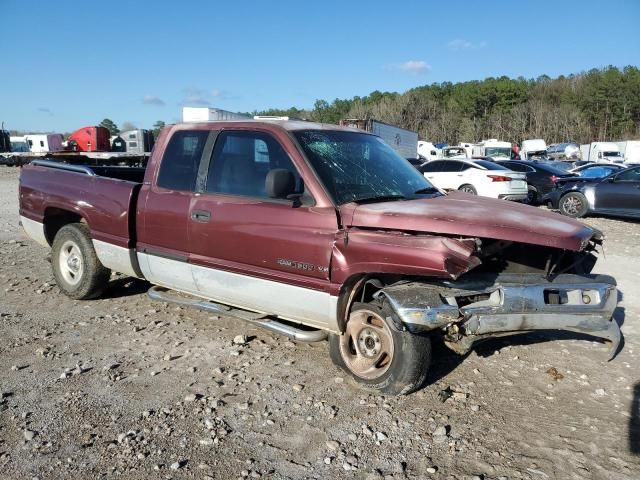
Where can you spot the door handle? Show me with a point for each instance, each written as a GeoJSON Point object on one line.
{"type": "Point", "coordinates": [200, 216]}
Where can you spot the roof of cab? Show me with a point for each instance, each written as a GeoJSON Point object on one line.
{"type": "Point", "coordinates": [289, 125]}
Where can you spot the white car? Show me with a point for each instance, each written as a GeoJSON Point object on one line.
{"type": "Point", "coordinates": [479, 177]}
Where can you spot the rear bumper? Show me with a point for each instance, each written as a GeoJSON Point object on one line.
{"type": "Point", "coordinates": [480, 308]}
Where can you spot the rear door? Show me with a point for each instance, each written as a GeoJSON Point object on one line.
{"type": "Point", "coordinates": [256, 252]}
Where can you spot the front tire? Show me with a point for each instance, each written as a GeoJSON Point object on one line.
{"type": "Point", "coordinates": [573, 204]}
{"type": "Point", "coordinates": [468, 189]}
{"type": "Point", "coordinates": [379, 356]}
{"type": "Point", "coordinates": [76, 267]}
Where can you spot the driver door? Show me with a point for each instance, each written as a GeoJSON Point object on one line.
{"type": "Point", "coordinates": [256, 252]}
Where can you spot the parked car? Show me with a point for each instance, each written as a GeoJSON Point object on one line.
{"type": "Point", "coordinates": [541, 177]}
{"type": "Point", "coordinates": [617, 194]}
{"type": "Point", "coordinates": [478, 177]}
{"type": "Point", "coordinates": [597, 170]}
{"type": "Point", "coordinates": [319, 231]}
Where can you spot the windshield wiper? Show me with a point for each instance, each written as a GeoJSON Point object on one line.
{"type": "Point", "coordinates": [381, 198]}
{"type": "Point", "coordinates": [426, 190]}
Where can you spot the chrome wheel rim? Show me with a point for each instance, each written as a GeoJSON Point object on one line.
{"type": "Point", "coordinates": [367, 345]}
{"type": "Point", "coordinates": [572, 205]}
{"type": "Point", "coordinates": [467, 190]}
{"type": "Point", "coordinates": [70, 262]}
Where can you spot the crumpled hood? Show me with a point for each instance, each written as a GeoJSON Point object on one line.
{"type": "Point", "coordinates": [468, 215]}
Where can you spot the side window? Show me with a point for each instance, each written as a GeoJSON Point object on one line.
{"type": "Point", "coordinates": [42, 143]}
{"type": "Point", "coordinates": [179, 167]}
{"type": "Point", "coordinates": [631, 175]}
{"type": "Point", "coordinates": [431, 167]}
{"type": "Point", "coordinates": [241, 162]}
{"type": "Point", "coordinates": [516, 167]}
{"type": "Point", "coordinates": [133, 144]}
{"type": "Point", "coordinates": [452, 166]}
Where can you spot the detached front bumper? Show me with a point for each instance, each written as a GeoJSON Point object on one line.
{"type": "Point", "coordinates": [481, 307]}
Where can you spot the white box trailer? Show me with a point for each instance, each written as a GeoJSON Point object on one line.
{"type": "Point", "coordinates": [630, 150]}
{"type": "Point", "coordinates": [41, 143]}
{"type": "Point", "coordinates": [403, 141]}
{"type": "Point", "coordinates": [206, 114]}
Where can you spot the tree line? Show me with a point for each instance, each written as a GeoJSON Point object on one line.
{"type": "Point", "coordinates": [598, 105]}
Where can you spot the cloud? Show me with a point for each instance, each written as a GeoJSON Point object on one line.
{"type": "Point", "coordinates": [151, 100]}
{"type": "Point", "coordinates": [198, 96]}
{"type": "Point", "coordinates": [414, 66]}
{"type": "Point", "coordinates": [195, 96]}
{"type": "Point", "coordinates": [45, 110]}
{"type": "Point", "coordinates": [462, 44]}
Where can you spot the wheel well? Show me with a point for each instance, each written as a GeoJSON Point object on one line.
{"type": "Point", "coordinates": [55, 219]}
{"type": "Point", "coordinates": [358, 288]}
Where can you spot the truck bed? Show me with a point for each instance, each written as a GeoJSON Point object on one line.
{"type": "Point", "coordinates": [104, 196]}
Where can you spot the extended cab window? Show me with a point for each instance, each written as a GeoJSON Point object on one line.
{"type": "Point", "coordinates": [181, 159]}
{"type": "Point", "coordinates": [241, 162]}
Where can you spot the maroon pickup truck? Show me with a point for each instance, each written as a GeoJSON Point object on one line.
{"type": "Point", "coordinates": [318, 231]}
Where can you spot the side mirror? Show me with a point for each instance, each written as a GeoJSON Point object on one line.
{"type": "Point", "coordinates": [280, 183]}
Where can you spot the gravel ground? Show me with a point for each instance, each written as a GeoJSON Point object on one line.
{"type": "Point", "coordinates": [124, 387]}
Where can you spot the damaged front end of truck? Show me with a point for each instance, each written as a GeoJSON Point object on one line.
{"type": "Point", "coordinates": [517, 288]}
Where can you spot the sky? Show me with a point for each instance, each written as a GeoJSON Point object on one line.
{"type": "Point", "coordinates": [68, 64]}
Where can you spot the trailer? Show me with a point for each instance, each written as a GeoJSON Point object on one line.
{"type": "Point", "coordinates": [403, 141]}
{"type": "Point", "coordinates": [206, 114]}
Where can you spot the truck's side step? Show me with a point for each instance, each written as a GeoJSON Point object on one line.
{"type": "Point", "coordinates": [268, 323]}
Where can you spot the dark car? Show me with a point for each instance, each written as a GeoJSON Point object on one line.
{"type": "Point", "coordinates": [616, 195]}
{"type": "Point", "coordinates": [597, 170]}
{"type": "Point", "coordinates": [541, 177]}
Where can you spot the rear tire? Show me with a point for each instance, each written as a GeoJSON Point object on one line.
{"type": "Point", "coordinates": [468, 189]}
{"type": "Point", "coordinates": [532, 195]}
{"type": "Point", "coordinates": [386, 360]}
{"type": "Point", "coordinates": [573, 204]}
{"type": "Point", "coordinates": [76, 268]}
